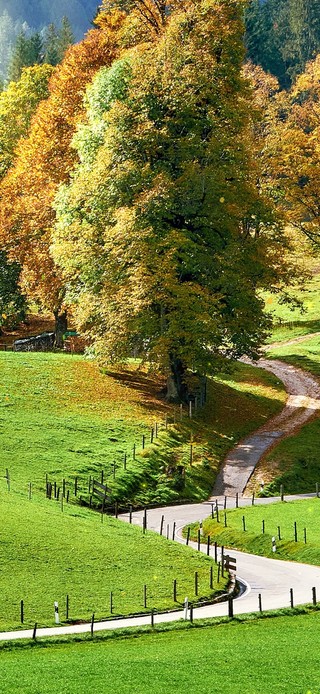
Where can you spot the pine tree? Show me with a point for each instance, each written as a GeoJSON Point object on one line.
{"type": "Point", "coordinates": [50, 45]}
{"type": "Point", "coordinates": [28, 51]}
{"type": "Point", "coordinates": [65, 38]}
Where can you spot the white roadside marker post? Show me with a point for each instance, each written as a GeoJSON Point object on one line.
{"type": "Point", "coordinates": [56, 613]}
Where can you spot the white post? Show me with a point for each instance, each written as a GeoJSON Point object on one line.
{"type": "Point", "coordinates": [274, 546]}
{"type": "Point", "coordinates": [56, 613]}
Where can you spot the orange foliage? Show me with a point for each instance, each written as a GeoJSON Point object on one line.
{"type": "Point", "coordinates": [44, 160]}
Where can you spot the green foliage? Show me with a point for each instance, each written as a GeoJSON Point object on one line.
{"type": "Point", "coordinates": [13, 304]}
{"type": "Point", "coordinates": [170, 200]}
{"type": "Point", "coordinates": [27, 52]}
{"type": "Point", "coordinates": [283, 35]}
{"type": "Point", "coordinates": [18, 103]}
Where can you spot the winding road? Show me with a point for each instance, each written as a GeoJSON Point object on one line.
{"type": "Point", "coordinates": [270, 578]}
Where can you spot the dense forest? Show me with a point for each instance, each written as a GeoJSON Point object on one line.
{"type": "Point", "coordinates": [149, 176]}
{"type": "Point", "coordinates": [282, 35]}
{"type": "Point", "coordinates": [40, 13]}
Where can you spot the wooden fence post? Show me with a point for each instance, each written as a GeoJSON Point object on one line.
{"type": "Point", "coordinates": [161, 524]}
{"type": "Point", "coordinates": [196, 583]}
{"type": "Point", "coordinates": [173, 530]}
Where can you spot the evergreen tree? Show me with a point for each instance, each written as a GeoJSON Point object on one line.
{"type": "Point", "coordinates": [283, 35]}
{"type": "Point", "coordinates": [12, 303]}
{"type": "Point", "coordinates": [50, 45]}
{"type": "Point", "coordinates": [28, 51]}
{"type": "Point", "coordinates": [65, 38]}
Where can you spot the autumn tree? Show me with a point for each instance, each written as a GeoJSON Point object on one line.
{"type": "Point", "coordinates": [291, 154]}
{"type": "Point", "coordinates": [44, 159]}
{"type": "Point", "coordinates": [18, 104]}
{"type": "Point", "coordinates": [162, 235]}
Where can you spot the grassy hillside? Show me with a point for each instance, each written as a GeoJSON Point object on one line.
{"type": "Point", "coordinates": [60, 416]}
{"type": "Point", "coordinates": [291, 322]}
{"type": "Point", "coordinates": [257, 538]}
{"type": "Point", "coordinates": [47, 554]}
{"type": "Point", "coordinates": [256, 657]}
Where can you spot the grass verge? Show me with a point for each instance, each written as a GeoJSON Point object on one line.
{"type": "Point", "coordinates": [203, 657]}
{"type": "Point", "coordinates": [252, 529]}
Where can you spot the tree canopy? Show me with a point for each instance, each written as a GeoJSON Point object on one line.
{"type": "Point", "coordinates": [162, 236]}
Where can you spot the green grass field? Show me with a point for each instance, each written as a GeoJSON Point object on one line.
{"type": "Point", "coordinates": [47, 554]}
{"type": "Point", "coordinates": [60, 416]}
{"type": "Point", "coordinates": [254, 657]}
{"type": "Point", "coordinates": [292, 322]}
{"type": "Point", "coordinates": [257, 539]}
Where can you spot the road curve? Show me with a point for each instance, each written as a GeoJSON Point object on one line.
{"type": "Point", "coordinates": [272, 579]}
{"type": "Point", "coordinates": [303, 401]}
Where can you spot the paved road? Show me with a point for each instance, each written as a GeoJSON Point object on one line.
{"type": "Point", "coordinates": [271, 578]}
{"type": "Point", "coordinates": [302, 403]}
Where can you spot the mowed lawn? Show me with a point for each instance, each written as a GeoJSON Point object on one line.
{"type": "Point", "coordinates": [61, 416]}
{"type": "Point", "coordinates": [252, 528]}
{"type": "Point", "coordinates": [278, 656]}
{"type": "Point", "coordinates": [47, 554]}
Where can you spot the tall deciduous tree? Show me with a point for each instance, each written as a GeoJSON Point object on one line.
{"type": "Point", "coordinates": [18, 104]}
{"type": "Point", "coordinates": [291, 155]}
{"type": "Point", "coordinates": [44, 160]}
{"type": "Point", "coordinates": [163, 237]}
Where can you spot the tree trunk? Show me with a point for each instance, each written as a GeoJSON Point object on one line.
{"type": "Point", "coordinates": [177, 390]}
{"type": "Point", "coordinates": [61, 326]}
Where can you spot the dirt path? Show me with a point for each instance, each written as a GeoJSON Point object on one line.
{"type": "Point", "coordinates": [302, 403]}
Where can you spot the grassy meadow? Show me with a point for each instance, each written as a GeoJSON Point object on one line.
{"type": "Point", "coordinates": [47, 554]}
{"type": "Point", "coordinates": [264, 522]}
{"type": "Point", "coordinates": [61, 416]}
{"type": "Point", "coordinates": [257, 656]}
{"type": "Point", "coordinates": [289, 320]}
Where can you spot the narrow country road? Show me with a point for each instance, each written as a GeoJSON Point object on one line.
{"type": "Point", "coordinates": [302, 403]}
{"type": "Point", "coordinates": [271, 580]}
